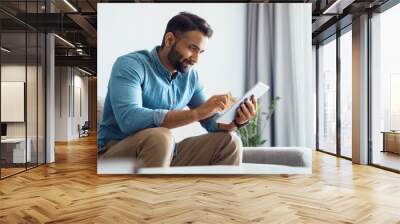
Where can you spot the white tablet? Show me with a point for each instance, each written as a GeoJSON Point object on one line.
{"type": "Point", "coordinates": [258, 90]}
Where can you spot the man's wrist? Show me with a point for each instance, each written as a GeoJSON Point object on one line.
{"type": "Point", "coordinates": [240, 125]}
{"type": "Point", "coordinates": [196, 115]}
{"type": "Point", "coordinates": [226, 127]}
{"type": "Point", "coordinates": [232, 127]}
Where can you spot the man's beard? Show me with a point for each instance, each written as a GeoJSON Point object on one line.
{"type": "Point", "coordinates": [174, 58]}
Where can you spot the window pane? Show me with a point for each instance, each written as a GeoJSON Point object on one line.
{"type": "Point", "coordinates": [346, 94]}
{"type": "Point", "coordinates": [327, 97]}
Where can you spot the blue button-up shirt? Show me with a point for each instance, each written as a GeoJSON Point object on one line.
{"type": "Point", "coordinates": [141, 91]}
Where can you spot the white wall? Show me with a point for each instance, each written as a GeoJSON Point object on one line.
{"type": "Point", "coordinates": [83, 83]}
{"type": "Point", "coordinates": [67, 114]}
{"type": "Point", "coordinates": [13, 73]}
{"type": "Point", "coordinates": [61, 103]}
{"type": "Point", "coordinates": [123, 28]}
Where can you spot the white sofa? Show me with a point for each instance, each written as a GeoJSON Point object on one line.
{"type": "Point", "coordinates": [261, 160]}
{"type": "Point", "coordinates": [256, 160]}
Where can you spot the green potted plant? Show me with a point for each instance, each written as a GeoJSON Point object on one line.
{"type": "Point", "coordinates": [251, 134]}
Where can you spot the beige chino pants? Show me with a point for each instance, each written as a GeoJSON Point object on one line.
{"type": "Point", "coordinates": [154, 147]}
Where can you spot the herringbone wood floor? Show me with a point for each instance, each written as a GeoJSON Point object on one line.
{"type": "Point", "coordinates": [70, 191]}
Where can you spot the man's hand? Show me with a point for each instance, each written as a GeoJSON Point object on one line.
{"type": "Point", "coordinates": [213, 105]}
{"type": "Point", "coordinates": [180, 118]}
{"type": "Point", "coordinates": [246, 111]}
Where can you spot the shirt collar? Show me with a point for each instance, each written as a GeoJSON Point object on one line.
{"type": "Point", "coordinates": [160, 67]}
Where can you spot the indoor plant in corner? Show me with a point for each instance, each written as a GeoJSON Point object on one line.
{"type": "Point", "coordinates": [251, 134]}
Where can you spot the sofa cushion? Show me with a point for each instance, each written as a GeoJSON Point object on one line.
{"type": "Point", "coordinates": [288, 156]}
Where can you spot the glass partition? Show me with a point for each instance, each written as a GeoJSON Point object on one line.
{"type": "Point", "coordinates": [22, 87]}
{"type": "Point", "coordinates": [41, 91]}
{"type": "Point", "coordinates": [14, 154]}
{"type": "Point", "coordinates": [32, 95]}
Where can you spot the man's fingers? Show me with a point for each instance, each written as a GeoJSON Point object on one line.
{"type": "Point", "coordinates": [250, 108]}
{"type": "Point", "coordinates": [245, 111]}
{"type": "Point", "coordinates": [221, 105]}
{"type": "Point", "coordinates": [221, 96]}
{"type": "Point", "coordinates": [240, 114]}
{"type": "Point", "coordinates": [224, 98]}
{"type": "Point", "coordinates": [215, 97]}
{"type": "Point", "coordinates": [254, 100]}
{"type": "Point", "coordinates": [254, 103]}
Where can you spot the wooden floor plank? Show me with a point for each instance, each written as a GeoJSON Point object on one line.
{"type": "Point", "coordinates": [70, 191]}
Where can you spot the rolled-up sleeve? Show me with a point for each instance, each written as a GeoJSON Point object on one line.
{"type": "Point", "coordinates": [198, 98]}
{"type": "Point", "coordinates": [126, 98]}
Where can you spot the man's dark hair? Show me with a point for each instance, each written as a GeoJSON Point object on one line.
{"type": "Point", "coordinates": [184, 22]}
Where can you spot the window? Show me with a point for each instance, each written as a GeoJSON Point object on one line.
{"type": "Point", "coordinates": [385, 88]}
{"type": "Point", "coordinates": [394, 102]}
{"type": "Point", "coordinates": [327, 97]}
{"type": "Point", "coordinates": [346, 94]}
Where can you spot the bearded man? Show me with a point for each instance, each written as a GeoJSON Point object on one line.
{"type": "Point", "coordinates": [148, 92]}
